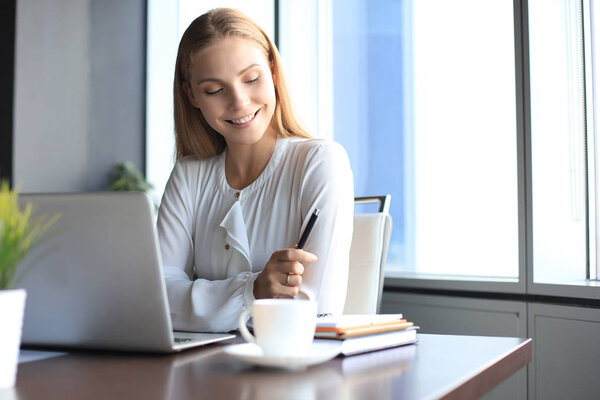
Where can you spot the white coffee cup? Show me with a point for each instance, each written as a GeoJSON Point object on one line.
{"type": "Point", "coordinates": [282, 327]}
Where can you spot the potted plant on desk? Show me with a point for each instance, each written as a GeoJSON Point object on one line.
{"type": "Point", "coordinates": [19, 234]}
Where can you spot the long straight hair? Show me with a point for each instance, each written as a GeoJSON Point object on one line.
{"type": "Point", "coordinates": [193, 135]}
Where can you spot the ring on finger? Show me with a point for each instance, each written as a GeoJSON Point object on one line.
{"type": "Point", "coordinates": [287, 280]}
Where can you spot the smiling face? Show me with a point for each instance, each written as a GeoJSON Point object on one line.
{"type": "Point", "coordinates": [231, 83]}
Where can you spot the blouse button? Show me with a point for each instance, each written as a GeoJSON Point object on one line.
{"type": "Point", "coordinates": [237, 194]}
{"type": "Point", "coordinates": [226, 247]}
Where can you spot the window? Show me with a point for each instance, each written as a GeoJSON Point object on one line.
{"type": "Point", "coordinates": [558, 143]}
{"type": "Point", "coordinates": [424, 102]}
{"type": "Point", "coordinates": [592, 77]}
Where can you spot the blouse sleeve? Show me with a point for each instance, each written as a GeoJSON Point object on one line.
{"type": "Point", "coordinates": [198, 305]}
{"type": "Point", "coordinates": [328, 186]}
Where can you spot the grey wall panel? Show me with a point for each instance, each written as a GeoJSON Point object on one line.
{"type": "Point", "coordinates": [466, 316]}
{"type": "Point", "coordinates": [79, 92]}
{"type": "Point", "coordinates": [458, 315]}
{"type": "Point", "coordinates": [51, 95]}
{"type": "Point", "coordinates": [117, 81]}
{"type": "Point", "coordinates": [566, 352]}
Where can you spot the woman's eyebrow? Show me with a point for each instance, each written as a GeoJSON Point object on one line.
{"type": "Point", "coordinates": [218, 80]}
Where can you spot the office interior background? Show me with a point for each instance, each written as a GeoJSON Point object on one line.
{"type": "Point", "coordinates": [478, 116]}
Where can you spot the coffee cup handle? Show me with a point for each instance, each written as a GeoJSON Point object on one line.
{"type": "Point", "coordinates": [307, 294]}
{"type": "Point", "coordinates": [243, 329]}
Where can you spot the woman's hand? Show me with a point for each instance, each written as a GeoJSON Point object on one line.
{"type": "Point", "coordinates": [282, 274]}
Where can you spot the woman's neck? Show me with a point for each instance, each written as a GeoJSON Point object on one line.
{"type": "Point", "coordinates": [245, 163]}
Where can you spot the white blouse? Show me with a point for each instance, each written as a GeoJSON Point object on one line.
{"type": "Point", "coordinates": [215, 240]}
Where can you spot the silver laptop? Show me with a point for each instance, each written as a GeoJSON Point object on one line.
{"type": "Point", "coordinates": [98, 283]}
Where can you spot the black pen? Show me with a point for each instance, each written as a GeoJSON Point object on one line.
{"type": "Point", "coordinates": [309, 226]}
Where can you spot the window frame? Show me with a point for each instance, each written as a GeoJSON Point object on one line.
{"type": "Point", "coordinates": [584, 289]}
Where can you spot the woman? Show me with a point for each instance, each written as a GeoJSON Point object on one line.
{"type": "Point", "coordinates": [246, 180]}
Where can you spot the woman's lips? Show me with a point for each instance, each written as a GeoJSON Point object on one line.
{"type": "Point", "coordinates": [243, 120]}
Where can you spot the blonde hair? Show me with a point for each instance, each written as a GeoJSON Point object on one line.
{"type": "Point", "coordinates": [193, 135]}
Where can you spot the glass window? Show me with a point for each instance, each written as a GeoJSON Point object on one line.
{"type": "Point", "coordinates": [592, 61]}
{"type": "Point", "coordinates": [558, 142]}
{"type": "Point", "coordinates": [424, 102]}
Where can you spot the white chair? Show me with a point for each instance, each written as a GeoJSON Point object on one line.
{"type": "Point", "coordinates": [368, 255]}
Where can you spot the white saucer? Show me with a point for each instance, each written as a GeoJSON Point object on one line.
{"type": "Point", "coordinates": [251, 353]}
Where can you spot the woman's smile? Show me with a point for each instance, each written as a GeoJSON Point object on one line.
{"type": "Point", "coordinates": [244, 121]}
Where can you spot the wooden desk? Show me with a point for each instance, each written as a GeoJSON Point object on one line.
{"type": "Point", "coordinates": [438, 366]}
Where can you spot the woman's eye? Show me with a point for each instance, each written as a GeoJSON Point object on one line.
{"type": "Point", "coordinates": [213, 92]}
{"type": "Point", "coordinates": [253, 80]}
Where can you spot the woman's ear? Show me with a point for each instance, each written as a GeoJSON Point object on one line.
{"type": "Point", "coordinates": [188, 92]}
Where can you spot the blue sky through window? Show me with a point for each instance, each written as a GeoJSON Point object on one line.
{"type": "Point", "coordinates": [368, 98]}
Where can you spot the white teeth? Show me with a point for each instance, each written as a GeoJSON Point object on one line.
{"type": "Point", "coordinates": [243, 120]}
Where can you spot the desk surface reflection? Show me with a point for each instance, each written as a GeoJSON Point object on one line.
{"type": "Point", "coordinates": [438, 366]}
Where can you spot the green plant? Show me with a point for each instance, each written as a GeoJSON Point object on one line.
{"type": "Point", "coordinates": [126, 177]}
{"type": "Point", "coordinates": [19, 234]}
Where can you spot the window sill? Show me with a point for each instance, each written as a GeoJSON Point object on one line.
{"type": "Point", "coordinates": [464, 278]}
{"type": "Point", "coordinates": [580, 289]}
{"type": "Point", "coordinates": [575, 282]}
{"type": "Point", "coordinates": [470, 286]}
{"type": "Point", "coordinates": [394, 279]}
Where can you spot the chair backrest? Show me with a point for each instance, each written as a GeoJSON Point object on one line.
{"type": "Point", "coordinates": [368, 255]}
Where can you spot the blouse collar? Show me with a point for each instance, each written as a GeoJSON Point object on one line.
{"type": "Point", "coordinates": [271, 167]}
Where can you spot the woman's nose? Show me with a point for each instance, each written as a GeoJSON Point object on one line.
{"type": "Point", "coordinates": [239, 99]}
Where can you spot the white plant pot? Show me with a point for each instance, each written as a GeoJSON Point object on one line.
{"type": "Point", "coordinates": [12, 306]}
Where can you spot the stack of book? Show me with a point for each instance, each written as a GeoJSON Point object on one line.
{"type": "Point", "coordinates": [359, 333]}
